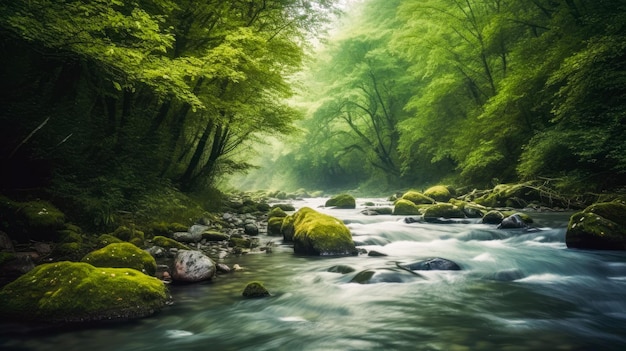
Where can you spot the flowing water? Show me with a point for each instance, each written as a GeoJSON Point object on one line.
{"type": "Point", "coordinates": [517, 290]}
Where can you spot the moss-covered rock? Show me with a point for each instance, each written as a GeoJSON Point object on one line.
{"type": "Point", "coordinates": [320, 234]}
{"type": "Point", "coordinates": [130, 234]}
{"type": "Point", "coordinates": [599, 226]}
{"type": "Point", "coordinates": [404, 207]}
{"type": "Point", "coordinates": [32, 220]}
{"type": "Point", "coordinates": [106, 239]}
{"type": "Point", "coordinates": [168, 243]}
{"type": "Point", "coordinates": [211, 235]}
{"type": "Point", "coordinates": [346, 201]}
{"type": "Point", "coordinates": [79, 292]}
{"type": "Point", "coordinates": [277, 212]}
{"type": "Point", "coordinates": [286, 229]}
{"type": "Point", "coordinates": [443, 210]}
{"type": "Point", "coordinates": [284, 207]}
{"type": "Point", "coordinates": [274, 224]}
{"type": "Point", "coordinates": [417, 198]}
{"type": "Point", "coordinates": [166, 229]}
{"type": "Point", "coordinates": [438, 193]}
{"type": "Point", "coordinates": [122, 255]}
{"type": "Point", "coordinates": [493, 217]}
{"type": "Point", "coordinates": [255, 290]}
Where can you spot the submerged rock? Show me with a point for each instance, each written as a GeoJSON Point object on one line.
{"type": "Point", "coordinates": [431, 264]}
{"type": "Point", "coordinates": [192, 266]}
{"type": "Point", "coordinates": [514, 221]}
{"type": "Point", "coordinates": [79, 292]}
{"type": "Point", "coordinates": [385, 275]}
{"type": "Point", "coordinates": [321, 235]}
{"type": "Point", "coordinates": [342, 268]}
{"type": "Point", "coordinates": [255, 290]}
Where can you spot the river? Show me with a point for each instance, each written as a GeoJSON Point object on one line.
{"type": "Point", "coordinates": [517, 290]}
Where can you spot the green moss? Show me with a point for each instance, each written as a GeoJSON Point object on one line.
{"type": "Point", "coordinates": [168, 243]}
{"type": "Point", "coordinates": [78, 292]}
{"type": "Point", "coordinates": [524, 216]}
{"type": "Point", "coordinates": [131, 234]}
{"type": "Point", "coordinates": [72, 250]}
{"type": "Point", "coordinates": [438, 193]}
{"type": "Point", "coordinates": [285, 207]}
{"type": "Point", "coordinates": [274, 224]}
{"type": "Point", "coordinates": [106, 239]}
{"type": "Point", "coordinates": [69, 236]}
{"type": "Point", "coordinates": [211, 235]}
{"type": "Point", "coordinates": [613, 211]}
{"type": "Point", "coordinates": [443, 210]}
{"type": "Point", "coordinates": [417, 198]}
{"type": "Point", "coordinates": [122, 255]}
{"type": "Point", "coordinates": [405, 208]}
{"type": "Point", "coordinates": [254, 290]}
{"type": "Point", "coordinates": [341, 201]}
{"type": "Point", "coordinates": [277, 212]}
{"type": "Point", "coordinates": [493, 217]}
{"type": "Point", "coordinates": [33, 220]}
{"type": "Point", "coordinates": [286, 229]}
{"type": "Point", "coordinates": [320, 234]}
{"type": "Point", "coordinates": [599, 226]}
{"type": "Point", "coordinates": [240, 242]}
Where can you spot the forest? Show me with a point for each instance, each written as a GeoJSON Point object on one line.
{"type": "Point", "coordinates": [110, 105]}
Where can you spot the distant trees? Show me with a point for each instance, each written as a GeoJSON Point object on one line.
{"type": "Point", "coordinates": [484, 90]}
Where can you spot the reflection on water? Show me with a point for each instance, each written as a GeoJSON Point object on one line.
{"type": "Point", "coordinates": [517, 290]}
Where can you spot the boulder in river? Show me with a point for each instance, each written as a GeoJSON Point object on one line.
{"type": "Point", "coordinates": [431, 264]}
{"type": "Point", "coordinates": [255, 290]}
{"type": "Point", "coordinates": [341, 201]}
{"type": "Point", "coordinates": [122, 255]}
{"type": "Point", "coordinates": [443, 210]}
{"type": "Point", "coordinates": [79, 292]}
{"type": "Point", "coordinates": [599, 226]}
{"type": "Point", "coordinates": [405, 208]}
{"type": "Point", "coordinates": [493, 217]}
{"type": "Point", "coordinates": [321, 235]}
{"type": "Point", "coordinates": [417, 198]}
{"type": "Point", "coordinates": [514, 221]}
{"type": "Point", "coordinates": [439, 193]}
{"type": "Point", "coordinates": [385, 275]}
{"type": "Point", "coordinates": [192, 266]}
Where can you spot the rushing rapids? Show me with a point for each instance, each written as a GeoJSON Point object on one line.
{"type": "Point", "coordinates": [516, 289]}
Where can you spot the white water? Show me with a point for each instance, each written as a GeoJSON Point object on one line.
{"type": "Point", "coordinates": [517, 290]}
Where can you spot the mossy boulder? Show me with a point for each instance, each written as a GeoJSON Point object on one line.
{"type": "Point", "coordinates": [255, 290]}
{"type": "Point", "coordinates": [601, 226]}
{"type": "Point", "coordinates": [284, 207]}
{"type": "Point", "coordinates": [405, 208]}
{"type": "Point", "coordinates": [346, 201]}
{"type": "Point", "coordinates": [277, 212]}
{"type": "Point", "coordinates": [122, 255]}
{"type": "Point", "coordinates": [168, 243]}
{"type": "Point", "coordinates": [106, 239]}
{"type": "Point", "coordinates": [211, 235]}
{"type": "Point", "coordinates": [493, 217]}
{"type": "Point", "coordinates": [32, 220]}
{"type": "Point", "coordinates": [274, 224]}
{"type": "Point", "coordinates": [417, 198]}
{"type": "Point", "coordinates": [166, 229]}
{"type": "Point", "coordinates": [443, 210]}
{"type": "Point", "coordinates": [130, 234]}
{"type": "Point", "coordinates": [439, 193]}
{"type": "Point", "coordinates": [287, 229]}
{"type": "Point", "coordinates": [79, 292]}
{"type": "Point", "coordinates": [321, 235]}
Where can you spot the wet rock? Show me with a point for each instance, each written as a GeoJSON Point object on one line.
{"type": "Point", "coordinates": [386, 275]}
{"type": "Point", "coordinates": [213, 236]}
{"type": "Point", "coordinates": [122, 255]}
{"type": "Point", "coordinates": [255, 290]}
{"type": "Point", "coordinates": [405, 207]}
{"type": "Point", "coordinates": [187, 237]}
{"type": "Point", "coordinates": [493, 217]}
{"type": "Point", "coordinates": [251, 229]}
{"type": "Point", "coordinates": [222, 268]}
{"type": "Point", "coordinates": [601, 226]}
{"type": "Point", "coordinates": [319, 234]}
{"type": "Point", "coordinates": [443, 210]}
{"type": "Point", "coordinates": [438, 193]}
{"type": "Point", "coordinates": [417, 198]}
{"type": "Point", "coordinates": [514, 221]}
{"type": "Point", "coordinates": [431, 264]}
{"type": "Point", "coordinates": [345, 201]}
{"type": "Point", "coordinates": [412, 219]}
{"type": "Point", "coordinates": [192, 266]}
{"type": "Point", "coordinates": [508, 275]}
{"type": "Point", "coordinates": [374, 253]}
{"type": "Point", "coordinates": [343, 269]}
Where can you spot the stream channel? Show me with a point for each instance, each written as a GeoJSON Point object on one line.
{"type": "Point", "coordinates": [516, 290]}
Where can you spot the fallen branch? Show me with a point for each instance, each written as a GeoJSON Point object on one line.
{"type": "Point", "coordinates": [28, 137]}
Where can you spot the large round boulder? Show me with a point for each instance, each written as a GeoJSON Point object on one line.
{"type": "Point", "coordinates": [321, 235]}
{"type": "Point", "coordinates": [404, 207]}
{"type": "Point", "coordinates": [341, 201]}
{"type": "Point", "coordinates": [443, 210]}
{"type": "Point", "coordinates": [599, 226]}
{"type": "Point", "coordinates": [192, 266]}
{"type": "Point", "coordinates": [122, 255]}
{"type": "Point", "coordinates": [438, 193]}
{"type": "Point", "coordinates": [79, 292]}
{"type": "Point", "coordinates": [417, 198]}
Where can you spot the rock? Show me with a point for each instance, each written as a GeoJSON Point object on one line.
{"type": "Point", "coordinates": [5, 242]}
{"type": "Point", "coordinates": [274, 225]}
{"type": "Point", "coordinates": [343, 269]}
{"type": "Point", "coordinates": [321, 235]}
{"type": "Point", "coordinates": [122, 255]}
{"type": "Point", "coordinates": [417, 198]}
{"type": "Point", "coordinates": [129, 234]}
{"type": "Point", "coordinates": [168, 243]}
{"type": "Point", "coordinates": [251, 229]}
{"type": "Point", "coordinates": [438, 193]}
{"type": "Point", "coordinates": [508, 275]}
{"type": "Point", "coordinates": [514, 221]}
{"type": "Point", "coordinates": [192, 266]}
{"type": "Point", "coordinates": [284, 207]}
{"type": "Point", "coordinates": [198, 229]}
{"type": "Point", "coordinates": [341, 201]}
{"type": "Point", "coordinates": [414, 219]}
{"type": "Point", "coordinates": [222, 268]}
{"type": "Point", "coordinates": [156, 251]}
{"type": "Point", "coordinates": [443, 210]}
{"type": "Point", "coordinates": [255, 290]}
{"type": "Point", "coordinates": [405, 208]}
{"type": "Point", "coordinates": [276, 212]}
{"type": "Point", "coordinates": [384, 276]}
{"type": "Point", "coordinates": [287, 229]}
{"type": "Point", "coordinates": [34, 220]}
{"type": "Point", "coordinates": [187, 237]}
{"type": "Point", "coordinates": [213, 236]}
{"type": "Point", "coordinates": [601, 226]}
{"type": "Point", "coordinates": [373, 211]}
{"type": "Point", "coordinates": [431, 264]}
{"type": "Point", "coordinates": [493, 217]}
{"type": "Point", "coordinates": [79, 292]}
{"type": "Point", "coordinates": [374, 253]}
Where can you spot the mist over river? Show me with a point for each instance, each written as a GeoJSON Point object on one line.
{"type": "Point", "coordinates": [516, 290]}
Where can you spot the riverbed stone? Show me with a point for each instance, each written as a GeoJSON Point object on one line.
{"type": "Point", "coordinates": [251, 229]}
{"type": "Point", "coordinates": [513, 221]}
{"type": "Point", "coordinates": [169, 243]}
{"type": "Point", "coordinates": [384, 275]}
{"type": "Point", "coordinates": [601, 226]}
{"type": "Point", "coordinates": [274, 225]}
{"type": "Point", "coordinates": [493, 217]}
{"type": "Point", "coordinates": [443, 210]}
{"type": "Point", "coordinates": [439, 193]}
{"type": "Point", "coordinates": [187, 237]}
{"type": "Point", "coordinates": [319, 234]}
{"type": "Point", "coordinates": [431, 264]}
{"type": "Point", "coordinates": [79, 292]}
{"type": "Point", "coordinates": [255, 290]}
{"type": "Point", "coordinates": [122, 255]}
{"type": "Point", "coordinates": [404, 207]}
{"type": "Point", "coordinates": [192, 266]}
{"type": "Point", "coordinates": [345, 201]}
{"type": "Point", "coordinates": [417, 198]}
